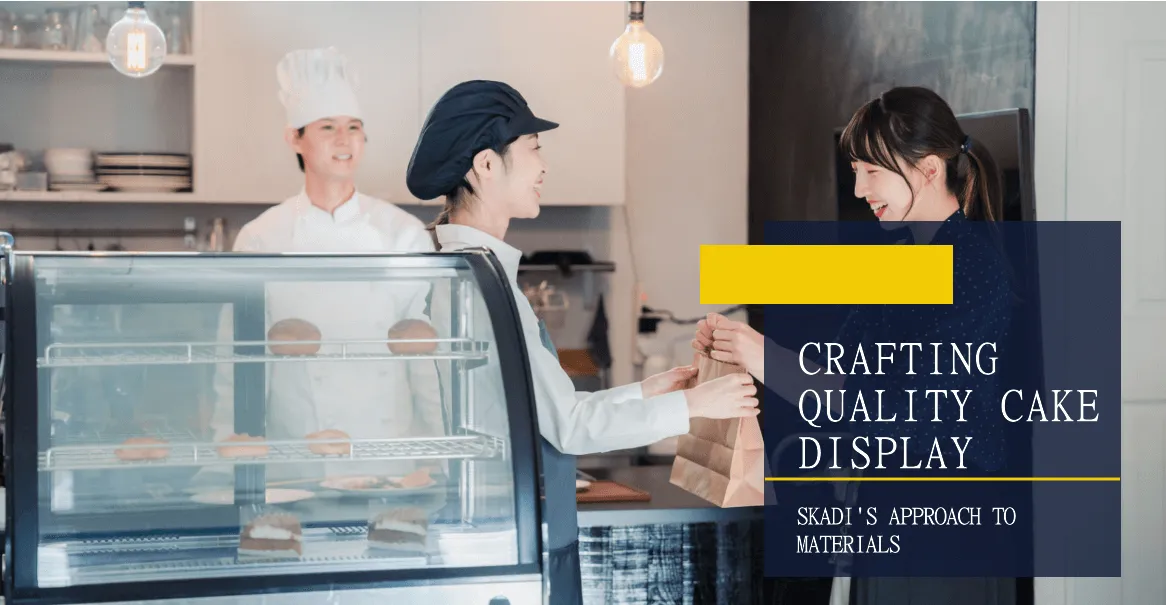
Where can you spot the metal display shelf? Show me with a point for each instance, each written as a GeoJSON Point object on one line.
{"type": "Point", "coordinates": [104, 456]}
{"type": "Point", "coordinates": [180, 557]}
{"type": "Point", "coordinates": [177, 353]}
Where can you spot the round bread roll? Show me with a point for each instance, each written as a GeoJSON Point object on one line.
{"type": "Point", "coordinates": [417, 478]}
{"type": "Point", "coordinates": [330, 449]}
{"type": "Point", "coordinates": [412, 329]}
{"type": "Point", "coordinates": [292, 330]}
{"type": "Point", "coordinates": [242, 451]}
{"type": "Point", "coordinates": [146, 453]}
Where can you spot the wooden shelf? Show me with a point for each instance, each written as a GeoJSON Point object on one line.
{"type": "Point", "coordinates": [99, 197]}
{"type": "Point", "coordinates": [26, 55]}
{"type": "Point", "coordinates": [96, 196]}
{"type": "Point", "coordinates": [599, 267]}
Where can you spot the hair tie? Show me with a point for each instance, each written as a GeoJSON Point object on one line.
{"type": "Point", "coordinates": [967, 146]}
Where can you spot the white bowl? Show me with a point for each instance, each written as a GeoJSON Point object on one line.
{"type": "Point", "coordinates": [67, 161]}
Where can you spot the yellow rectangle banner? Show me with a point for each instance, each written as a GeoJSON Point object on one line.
{"type": "Point", "coordinates": [826, 275]}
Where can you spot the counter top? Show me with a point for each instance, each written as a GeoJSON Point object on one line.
{"type": "Point", "coordinates": [669, 504]}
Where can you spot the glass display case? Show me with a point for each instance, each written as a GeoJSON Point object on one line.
{"type": "Point", "coordinates": [210, 425]}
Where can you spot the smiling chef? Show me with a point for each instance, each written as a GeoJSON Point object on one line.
{"type": "Point", "coordinates": [334, 399]}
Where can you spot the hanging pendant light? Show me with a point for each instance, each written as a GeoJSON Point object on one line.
{"type": "Point", "coordinates": [637, 56]}
{"type": "Point", "coordinates": [135, 45]}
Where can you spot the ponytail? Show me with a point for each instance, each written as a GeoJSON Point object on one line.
{"type": "Point", "coordinates": [983, 190]}
{"type": "Point", "coordinates": [454, 200]}
{"type": "Point", "coordinates": [442, 219]}
{"type": "Point", "coordinates": [982, 199]}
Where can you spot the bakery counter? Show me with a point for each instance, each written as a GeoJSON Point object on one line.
{"type": "Point", "coordinates": [675, 548]}
{"type": "Point", "coordinates": [669, 504]}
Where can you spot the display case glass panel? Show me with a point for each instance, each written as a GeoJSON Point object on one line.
{"type": "Point", "coordinates": [236, 416]}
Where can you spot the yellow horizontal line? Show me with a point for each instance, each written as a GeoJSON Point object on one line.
{"type": "Point", "coordinates": [826, 275]}
{"type": "Point", "coordinates": [937, 479]}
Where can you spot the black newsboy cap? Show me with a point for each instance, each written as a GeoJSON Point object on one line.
{"type": "Point", "coordinates": [470, 117]}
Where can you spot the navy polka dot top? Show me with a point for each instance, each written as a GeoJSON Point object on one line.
{"type": "Point", "coordinates": [981, 313]}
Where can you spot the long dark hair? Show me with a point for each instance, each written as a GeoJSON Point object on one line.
{"type": "Point", "coordinates": [460, 195]}
{"type": "Point", "coordinates": [912, 123]}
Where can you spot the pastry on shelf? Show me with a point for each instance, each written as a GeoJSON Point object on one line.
{"type": "Point", "coordinates": [143, 453]}
{"type": "Point", "coordinates": [418, 478]}
{"type": "Point", "coordinates": [272, 535]}
{"type": "Point", "coordinates": [412, 329]}
{"type": "Point", "coordinates": [401, 529]}
{"type": "Point", "coordinates": [243, 451]}
{"type": "Point", "coordinates": [291, 330]}
{"type": "Point", "coordinates": [330, 449]}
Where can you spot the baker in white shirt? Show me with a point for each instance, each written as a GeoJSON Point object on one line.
{"type": "Point", "coordinates": [479, 148]}
{"type": "Point", "coordinates": [375, 400]}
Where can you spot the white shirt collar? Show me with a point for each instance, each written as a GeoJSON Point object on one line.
{"type": "Point", "coordinates": [343, 213]}
{"type": "Point", "coordinates": [457, 237]}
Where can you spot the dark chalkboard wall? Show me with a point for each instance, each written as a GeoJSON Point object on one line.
{"type": "Point", "coordinates": [811, 64]}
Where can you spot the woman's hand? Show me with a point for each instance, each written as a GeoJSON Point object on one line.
{"type": "Point", "coordinates": [732, 396]}
{"type": "Point", "coordinates": [666, 382]}
{"type": "Point", "coordinates": [731, 342]}
{"type": "Point", "coordinates": [704, 332]}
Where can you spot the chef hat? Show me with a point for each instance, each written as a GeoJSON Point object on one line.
{"type": "Point", "coordinates": [467, 119]}
{"type": "Point", "coordinates": [316, 84]}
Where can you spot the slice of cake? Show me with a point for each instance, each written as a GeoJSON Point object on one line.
{"type": "Point", "coordinates": [401, 529]}
{"type": "Point", "coordinates": [275, 535]}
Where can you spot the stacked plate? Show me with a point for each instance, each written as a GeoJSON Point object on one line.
{"type": "Point", "coordinates": [150, 172]}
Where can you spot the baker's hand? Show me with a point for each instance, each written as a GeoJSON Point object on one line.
{"type": "Point", "coordinates": [732, 342]}
{"type": "Point", "coordinates": [732, 396]}
{"type": "Point", "coordinates": [666, 382]}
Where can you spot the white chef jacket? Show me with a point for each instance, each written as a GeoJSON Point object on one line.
{"type": "Point", "coordinates": [374, 400]}
{"type": "Point", "coordinates": [574, 422]}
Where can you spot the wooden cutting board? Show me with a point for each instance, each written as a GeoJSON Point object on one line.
{"type": "Point", "coordinates": [610, 491]}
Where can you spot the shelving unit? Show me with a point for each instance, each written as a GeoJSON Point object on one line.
{"type": "Point", "coordinates": [91, 457]}
{"type": "Point", "coordinates": [597, 267]}
{"type": "Point", "coordinates": [76, 99]}
{"type": "Point", "coordinates": [586, 271]}
{"type": "Point", "coordinates": [97, 196]}
{"type": "Point", "coordinates": [68, 57]}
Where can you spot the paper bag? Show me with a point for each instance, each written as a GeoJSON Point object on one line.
{"type": "Point", "coordinates": [721, 461]}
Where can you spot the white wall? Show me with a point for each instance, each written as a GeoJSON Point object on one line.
{"type": "Point", "coordinates": [687, 159]}
{"type": "Point", "coordinates": [1100, 87]}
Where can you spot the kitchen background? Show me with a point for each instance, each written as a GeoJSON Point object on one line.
{"type": "Point", "coordinates": [736, 132]}
{"type": "Point", "coordinates": [639, 177]}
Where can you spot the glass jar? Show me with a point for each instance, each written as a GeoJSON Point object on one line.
{"type": "Point", "coordinates": [57, 33]}
{"type": "Point", "coordinates": [175, 36]}
{"type": "Point", "coordinates": [5, 27]}
{"type": "Point", "coordinates": [13, 36]}
{"type": "Point", "coordinates": [29, 36]}
{"type": "Point", "coordinates": [89, 36]}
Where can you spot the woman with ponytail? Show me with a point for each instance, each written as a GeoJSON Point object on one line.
{"type": "Point", "coordinates": [913, 162]}
{"type": "Point", "coordinates": [918, 169]}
